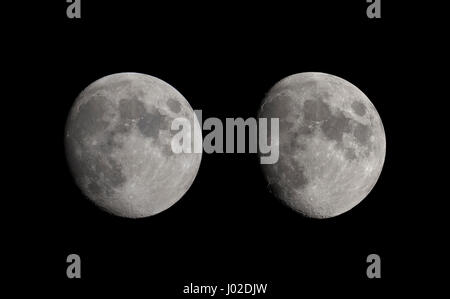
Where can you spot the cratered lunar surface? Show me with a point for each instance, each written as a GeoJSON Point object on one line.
{"type": "Point", "coordinates": [118, 144]}
{"type": "Point", "coordinates": [332, 144]}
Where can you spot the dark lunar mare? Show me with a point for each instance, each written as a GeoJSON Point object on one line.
{"type": "Point", "coordinates": [134, 111]}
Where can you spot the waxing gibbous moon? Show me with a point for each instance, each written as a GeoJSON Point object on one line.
{"type": "Point", "coordinates": [118, 144]}
{"type": "Point", "coordinates": [332, 144]}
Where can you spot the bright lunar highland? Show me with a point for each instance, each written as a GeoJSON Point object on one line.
{"type": "Point", "coordinates": [118, 144]}
{"type": "Point", "coordinates": [332, 144]}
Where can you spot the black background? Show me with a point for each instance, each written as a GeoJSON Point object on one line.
{"type": "Point", "coordinates": [223, 56]}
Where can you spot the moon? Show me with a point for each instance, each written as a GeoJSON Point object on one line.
{"type": "Point", "coordinates": [332, 144]}
{"type": "Point", "coordinates": [118, 144]}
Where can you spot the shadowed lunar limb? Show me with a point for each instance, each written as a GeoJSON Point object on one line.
{"type": "Point", "coordinates": [118, 144]}
{"type": "Point", "coordinates": [332, 144]}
